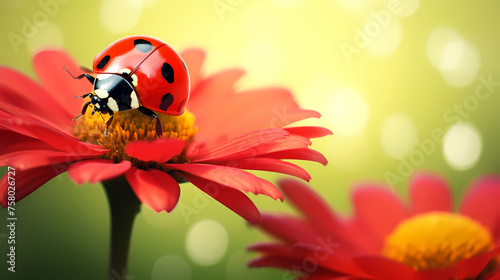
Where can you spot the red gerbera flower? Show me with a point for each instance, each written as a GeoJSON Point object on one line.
{"type": "Point", "coordinates": [223, 132]}
{"type": "Point", "coordinates": [386, 239]}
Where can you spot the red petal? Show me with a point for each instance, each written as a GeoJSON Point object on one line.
{"type": "Point", "coordinates": [155, 188]}
{"type": "Point", "coordinates": [471, 268]}
{"type": "Point", "coordinates": [297, 266]}
{"type": "Point", "coordinates": [429, 193]}
{"type": "Point", "coordinates": [27, 181]}
{"type": "Point", "coordinates": [271, 248]}
{"type": "Point", "coordinates": [54, 137]}
{"type": "Point", "coordinates": [247, 111]}
{"type": "Point", "coordinates": [194, 61]}
{"type": "Point", "coordinates": [481, 204]}
{"type": "Point", "coordinates": [159, 150]}
{"type": "Point", "coordinates": [256, 143]}
{"type": "Point", "coordinates": [230, 177]}
{"type": "Point", "coordinates": [326, 276]}
{"type": "Point", "coordinates": [97, 170]}
{"type": "Point", "coordinates": [312, 205]}
{"type": "Point", "coordinates": [308, 252]}
{"type": "Point", "coordinates": [37, 158]}
{"type": "Point", "coordinates": [346, 278]}
{"type": "Point", "coordinates": [20, 91]}
{"type": "Point", "coordinates": [320, 215]}
{"type": "Point", "coordinates": [238, 145]}
{"type": "Point", "coordinates": [309, 131]}
{"type": "Point", "coordinates": [289, 228]}
{"type": "Point", "coordinates": [268, 164]}
{"type": "Point", "coordinates": [492, 276]}
{"type": "Point", "coordinates": [382, 268]}
{"type": "Point", "coordinates": [288, 263]}
{"type": "Point", "coordinates": [466, 269]}
{"type": "Point", "coordinates": [235, 200]}
{"type": "Point", "coordinates": [378, 211]}
{"type": "Point", "coordinates": [48, 66]}
{"type": "Point", "coordinates": [13, 142]}
{"type": "Point", "coordinates": [436, 274]}
{"type": "Point", "coordinates": [209, 94]}
{"type": "Point", "coordinates": [302, 154]}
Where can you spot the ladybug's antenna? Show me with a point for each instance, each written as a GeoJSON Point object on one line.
{"type": "Point", "coordinates": [85, 69]}
{"type": "Point", "coordinates": [90, 78]}
{"type": "Point", "coordinates": [149, 54]}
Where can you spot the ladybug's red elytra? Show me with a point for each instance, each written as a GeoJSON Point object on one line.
{"type": "Point", "coordinates": [138, 72]}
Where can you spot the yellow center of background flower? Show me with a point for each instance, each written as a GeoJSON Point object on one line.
{"type": "Point", "coordinates": [436, 240]}
{"type": "Point", "coordinates": [129, 126]}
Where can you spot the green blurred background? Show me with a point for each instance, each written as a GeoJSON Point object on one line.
{"type": "Point", "coordinates": [403, 85]}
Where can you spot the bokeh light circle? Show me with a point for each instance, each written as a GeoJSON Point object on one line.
{"type": "Point", "coordinates": [385, 40]}
{"type": "Point", "coordinates": [354, 5]}
{"type": "Point", "coordinates": [207, 242]}
{"type": "Point", "coordinates": [48, 35]}
{"type": "Point", "coordinates": [467, 65]}
{"type": "Point", "coordinates": [120, 16]}
{"type": "Point", "coordinates": [348, 112]}
{"type": "Point", "coordinates": [398, 136]}
{"type": "Point", "coordinates": [456, 58]}
{"type": "Point", "coordinates": [355, 154]}
{"type": "Point", "coordinates": [462, 146]}
{"type": "Point", "coordinates": [407, 7]}
{"type": "Point", "coordinates": [289, 3]}
{"type": "Point", "coordinates": [171, 267]}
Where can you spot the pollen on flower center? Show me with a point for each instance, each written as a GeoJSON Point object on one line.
{"type": "Point", "coordinates": [436, 240]}
{"type": "Point", "coordinates": [129, 126]}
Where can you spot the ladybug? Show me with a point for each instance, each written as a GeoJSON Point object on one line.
{"type": "Point", "coordinates": [138, 72]}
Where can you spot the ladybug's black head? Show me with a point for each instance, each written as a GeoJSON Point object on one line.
{"type": "Point", "coordinates": [116, 92]}
{"type": "Point", "coordinates": [100, 105]}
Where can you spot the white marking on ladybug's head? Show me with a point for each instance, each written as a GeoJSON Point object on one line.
{"type": "Point", "coordinates": [103, 76]}
{"type": "Point", "coordinates": [112, 104]}
{"type": "Point", "coordinates": [100, 79]}
{"type": "Point", "coordinates": [125, 71]}
{"type": "Point", "coordinates": [134, 104]}
{"type": "Point", "coordinates": [101, 93]}
{"type": "Point", "coordinates": [97, 106]}
{"type": "Point", "coordinates": [134, 80]}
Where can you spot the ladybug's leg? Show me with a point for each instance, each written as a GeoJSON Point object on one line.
{"type": "Point", "coordinates": [84, 109]}
{"type": "Point", "coordinates": [83, 96]}
{"type": "Point", "coordinates": [90, 78]}
{"type": "Point", "coordinates": [149, 113]}
{"type": "Point", "coordinates": [108, 123]}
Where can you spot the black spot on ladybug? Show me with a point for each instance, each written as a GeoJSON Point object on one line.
{"type": "Point", "coordinates": [143, 45]}
{"type": "Point", "coordinates": [166, 101]}
{"type": "Point", "coordinates": [167, 72]}
{"type": "Point", "coordinates": [103, 62]}
{"type": "Point", "coordinates": [185, 67]}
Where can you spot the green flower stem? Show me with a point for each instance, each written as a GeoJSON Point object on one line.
{"type": "Point", "coordinates": [124, 206]}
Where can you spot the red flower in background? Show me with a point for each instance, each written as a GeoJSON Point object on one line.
{"type": "Point", "coordinates": [386, 239]}
{"type": "Point", "coordinates": [224, 132]}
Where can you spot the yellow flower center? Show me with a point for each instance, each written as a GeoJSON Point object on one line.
{"type": "Point", "coordinates": [436, 240]}
{"type": "Point", "coordinates": [129, 126]}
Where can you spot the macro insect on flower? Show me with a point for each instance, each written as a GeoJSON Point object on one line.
{"type": "Point", "coordinates": [222, 131]}
{"type": "Point", "coordinates": [138, 72]}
